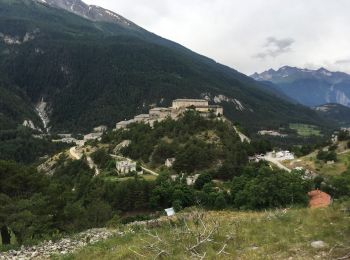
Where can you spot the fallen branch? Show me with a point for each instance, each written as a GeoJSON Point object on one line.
{"type": "Point", "coordinates": [222, 250]}
{"type": "Point", "coordinates": [136, 252]}
{"type": "Point", "coordinates": [346, 257]}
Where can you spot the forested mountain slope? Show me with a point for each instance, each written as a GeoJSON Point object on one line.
{"type": "Point", "coordinates": [91, 72]}
{"type": "Point", "coordinates": [335, 112]}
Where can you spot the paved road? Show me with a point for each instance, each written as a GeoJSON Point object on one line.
{"type": "Point", "coordinates": [272, 160]}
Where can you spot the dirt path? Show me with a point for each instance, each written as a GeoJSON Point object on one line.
{"type": "Point", "coordinates": [242, 136]}
{"type": "Point", "coordinates": [73, 152]}
{"type": "Point", "coordinates": [92, 165]}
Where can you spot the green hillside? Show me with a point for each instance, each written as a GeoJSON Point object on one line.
{"type": "Point", "coordinates": [335, 112]}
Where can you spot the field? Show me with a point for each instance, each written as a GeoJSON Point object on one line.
{"type": "Point", "coordinates": [305, 130]}
{"type": "Point", "coordinates": [279, 234]}
{"type": "Point", "coordinates": [310, 162]}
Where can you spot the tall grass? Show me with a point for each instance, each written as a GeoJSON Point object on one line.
{"type": "Point", "coordinates": [277, 234]}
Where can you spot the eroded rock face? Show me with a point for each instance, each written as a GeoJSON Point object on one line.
{"type": "Point", "coordinates": [42, 111]}
{"type": "Point", "coordinates": [62, 247]}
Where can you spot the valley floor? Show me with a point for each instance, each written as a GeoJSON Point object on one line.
{"type": "Point", "coordinates": [279, 234]}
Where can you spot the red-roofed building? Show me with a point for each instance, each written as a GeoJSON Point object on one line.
{"type": "Point", "coordinates": [319, 199]}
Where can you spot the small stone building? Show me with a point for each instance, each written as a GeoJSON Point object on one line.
{"type": "Point", "coordinates": [125, 167]}
{"type": "Point", "coordinates": [169, 162]}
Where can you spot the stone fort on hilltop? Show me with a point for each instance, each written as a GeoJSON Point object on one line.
{"type": "Point", "coordinates": [178, 107]}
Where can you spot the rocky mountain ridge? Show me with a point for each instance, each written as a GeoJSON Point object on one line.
{"type": "Point", "coordinates": [310, 87]}
{"type": "Point", "coordinates": [91, 12]}
{"type": "Point", "coordinates": [93, 71]}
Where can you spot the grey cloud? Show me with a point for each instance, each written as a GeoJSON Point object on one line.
{"type": "Point", "coordinates": [234, 32]}
{"type": "Point", "coordinates": [344, 61]}
{"type": "Point", "coordinates": [274, 47]}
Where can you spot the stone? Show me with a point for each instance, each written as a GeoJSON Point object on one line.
{"type": "Point", "coordinates": [318, 244]}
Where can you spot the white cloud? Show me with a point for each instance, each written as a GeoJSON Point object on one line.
{"type": "Point", "coordinates": [235, 32]}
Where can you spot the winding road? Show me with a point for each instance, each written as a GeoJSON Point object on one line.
{"type": "Point", "coordinates": [77, 156]}
{"type": "Point", "coordinates": [274, 161]}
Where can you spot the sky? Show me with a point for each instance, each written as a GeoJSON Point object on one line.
{"type": "Point", "coordinates": [250, 35]}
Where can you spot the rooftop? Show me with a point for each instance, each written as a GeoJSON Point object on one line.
{"type": "Point", "coordinates": [142, 116]}
{"type": "Point", "coordinates": [190, 100]}
{"type": "Point", "coordinates": [319, 199]}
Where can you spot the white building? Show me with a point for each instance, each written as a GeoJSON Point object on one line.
{"type": "Point", "coordinates": [169, 162]}
{"type": "Point", "coordinates": [190, 180]}
{"type": "Point", "coordinates": [125, 167]}
{"type": "Point", "coordinates": [92, 136]}
{"type": "Point", "coordinates": [100, 129]}
{"type": "Point", "coordinates": [285, 155]}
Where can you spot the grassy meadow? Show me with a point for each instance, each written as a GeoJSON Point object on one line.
{"type": "Point", "coordinates": [278, 234]}
{"type": "Point", "coordinates": [310, 162]}
{"type": "Point", "coordinates": [305, 130]}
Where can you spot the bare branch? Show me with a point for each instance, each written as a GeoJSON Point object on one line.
{"type": "Point", "coordinates": [222, 251]}
{"type": "Point", "coordinates": [136, 252]}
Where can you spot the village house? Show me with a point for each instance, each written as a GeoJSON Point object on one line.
{"type": "Point", "coordinates": [100, 129]}
{"type": "Point", "coordinates": [125, 167]}
{"type": "Point", "coordinates": [284, 155]}
{"type": "Point", "coordinates": [169, 162]}
{"type": "Point", "coordinates": [191, 180]}
{"type": "Point", "coordinates": [256, 158]}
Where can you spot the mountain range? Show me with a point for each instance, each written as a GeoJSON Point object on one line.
{"type": "Point", "coordinates": [78, 66]}
{"type": "Point", "coordinates": [309, 87]}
